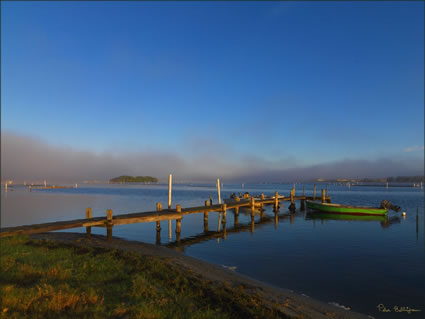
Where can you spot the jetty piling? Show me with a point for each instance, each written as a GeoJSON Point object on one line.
{"type": "Point", "coordinates": [323, 195]}
{"type": "Point", "coordinates": [276, 201]}
{"type": "Point", "coordinates": [314, 192]}
{"type": "Point", "coordinates": [88, 216]}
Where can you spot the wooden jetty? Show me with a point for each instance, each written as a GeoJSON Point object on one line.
{"type": "Point", "coordinates": [164, 214]}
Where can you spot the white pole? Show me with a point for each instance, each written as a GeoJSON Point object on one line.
{"type": "Point", "coordinates": [45, 184]}
{"type": "Point", "coordinates": [218, 191]}
{"type": "Point", "coordinates": [170, 181]}
{"type": "Point", "coordinates": [5, 187]}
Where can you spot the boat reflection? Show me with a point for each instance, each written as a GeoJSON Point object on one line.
{"type": "Point", "coordinates": [386, 221]}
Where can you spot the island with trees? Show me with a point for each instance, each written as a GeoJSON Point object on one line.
{"type": "Point", "coordinates": [134, 179]}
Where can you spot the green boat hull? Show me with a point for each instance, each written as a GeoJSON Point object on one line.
{"type": "Point", "coordinates": [345, 209]}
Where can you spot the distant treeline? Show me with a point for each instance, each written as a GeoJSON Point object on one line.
{"type": "Point", "coordinates": [398, 179]}
{"type": "Point", "coordinates": [134, 179]}
{"type": "Point", "coordinates": [406, 179]}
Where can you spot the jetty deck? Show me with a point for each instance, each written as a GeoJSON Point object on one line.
{"type": "Point", "coordinates": [162, 214]}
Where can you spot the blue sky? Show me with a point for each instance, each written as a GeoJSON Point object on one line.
{"type": "Point", "coordinates": [296, 82]}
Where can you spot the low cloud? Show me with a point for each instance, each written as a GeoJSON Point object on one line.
{"type": "Point", "coordinates": [29, 159]}
{"type": "Point", "coordinates": [414, 149]}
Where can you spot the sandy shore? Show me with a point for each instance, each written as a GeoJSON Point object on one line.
{"type": "Point", "coordinates": [293, 305]}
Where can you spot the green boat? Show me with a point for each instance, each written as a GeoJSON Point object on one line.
{"type": "Point", "coordinates": [346, 209]}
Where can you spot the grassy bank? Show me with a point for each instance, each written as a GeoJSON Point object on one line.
{"type": "Point", "coordinates": [48, 279]}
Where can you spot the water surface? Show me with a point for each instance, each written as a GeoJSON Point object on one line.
{"type": "Point", "coordinates": [355, 263]}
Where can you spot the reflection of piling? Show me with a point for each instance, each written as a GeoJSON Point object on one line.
{"type": "Point", "coordinates": [262, 198]}
{"type": "Point", "coordinates": [88, 216]}
{"type": "Point", "coordinates": [170, 182]}
{"type": "Point", "coordinates": [302, 204]}
{"type": "Point", "coordinates": [178, 223]}
{"type": "Point", "coordinates": [224, 209]}
{"type": "Point", "coordinates": [292, 206]}
{"type": "Point", "coordinates": [276, 201]}
{"type": "Point", "coordinates": [207, 203]}
{"type": "Point", "coordinates": [417, 222]}
{"type": "Point", "coordinates": [236, 215]}
{"type": "Point", "coordinates": [109, 224]}
{"type": "Point", "coordinates": [158, 225]}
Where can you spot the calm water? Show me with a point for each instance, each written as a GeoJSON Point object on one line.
{"type": "Point", "coordinates": [358, 264]}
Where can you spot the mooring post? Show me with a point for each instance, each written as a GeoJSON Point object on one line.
{"type": "Point", "coordinates": [5, 187]}
{"type": "Point", "coordinates": [314, 192]}
{"type": "Point", "coordinates": [323, 195]}
{"type": "Point", "coordinates": [88, 216]}
{"type": "Point", "coordinates": [218, 191]}
{"type": "Point", "coordinates": [109, 224]}
{"type": "Point", "coordinates": [252, 204]}
{"type": "Point", "coordinates": [30, 188]}
{"type": "Point", "coordinates": [224, 209]}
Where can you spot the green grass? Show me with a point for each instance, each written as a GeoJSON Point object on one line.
{"type": "Point", "coordinates": [47, 279]}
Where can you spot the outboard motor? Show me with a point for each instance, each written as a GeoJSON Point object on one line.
{"type": "Point", "coordinates": [388, 205]}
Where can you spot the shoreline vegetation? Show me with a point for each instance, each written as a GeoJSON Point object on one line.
{"type": "Point", "coordinates": [134, 179]}
{"type": "Point", "coordinates": [68, 275]}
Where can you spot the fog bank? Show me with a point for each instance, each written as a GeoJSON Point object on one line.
{"type": "Point", "coordinates": [29, 159]}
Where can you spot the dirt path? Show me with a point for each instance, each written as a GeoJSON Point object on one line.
{"type": "Point", "coordinates": [292, 304]}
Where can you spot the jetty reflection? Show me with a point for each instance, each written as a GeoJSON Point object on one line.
{"type": "Point", "coordinates": [264, 220]}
